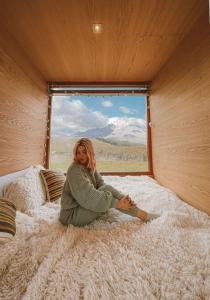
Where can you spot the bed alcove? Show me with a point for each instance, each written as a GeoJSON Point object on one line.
{"type": "Point", "coordinates": [165, 43]}
{"type": "Point", "coordinates": [179, 100]}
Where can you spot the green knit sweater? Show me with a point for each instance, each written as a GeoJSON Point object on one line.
{"type": "Point", "coordinates": [82, 188]}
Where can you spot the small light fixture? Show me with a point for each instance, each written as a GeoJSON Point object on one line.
{"type": "Point", "coordinates": [97, 28]}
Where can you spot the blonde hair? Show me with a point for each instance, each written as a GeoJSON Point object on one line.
{"type": "Point", "coordinates": [87, 144]}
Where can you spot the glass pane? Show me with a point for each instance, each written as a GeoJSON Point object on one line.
{"type": "Point", "coordinates": [115, 124]}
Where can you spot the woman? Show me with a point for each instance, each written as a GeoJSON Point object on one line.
{"type": "Point", "coordinates": [86, 197]}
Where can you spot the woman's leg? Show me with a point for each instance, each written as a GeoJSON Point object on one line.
{"type": "Point", "coordinates": [134, 212]}
{"type": "Point", "coordinates": [78, 216]}
{"type": "Point", "coordinates": [115, 193]}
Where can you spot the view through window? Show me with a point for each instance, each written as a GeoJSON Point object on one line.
{"type": "Point", "coordinates": [116, 124]}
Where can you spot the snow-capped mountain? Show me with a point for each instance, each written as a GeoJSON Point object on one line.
{"type": "Point", "coordinates": [129, 130]}
{"type": "Point", "coordinates": [96, 132]}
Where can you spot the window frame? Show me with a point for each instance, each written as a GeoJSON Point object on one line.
{"type": "Point", "coordinates": [64, 89]}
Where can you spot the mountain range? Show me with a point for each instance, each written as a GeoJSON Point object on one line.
{"type": "Point", "coordinates": [130, 132]}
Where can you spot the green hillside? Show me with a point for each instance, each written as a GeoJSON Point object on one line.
{"type": "Point", "coordinates": [109, 157]}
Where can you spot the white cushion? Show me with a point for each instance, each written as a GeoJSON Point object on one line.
{"type": "Point", "coordinates": [6, 179]}
{"type": "Point", "coordinates": [39, 167]}
{"type": "Point", "coordinates": [27, 191]}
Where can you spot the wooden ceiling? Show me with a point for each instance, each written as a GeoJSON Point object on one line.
{"type": "Point", "coordinates": [138, 36]}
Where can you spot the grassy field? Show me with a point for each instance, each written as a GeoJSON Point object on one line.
{"type": "Point", "coordinates": [110, 158]}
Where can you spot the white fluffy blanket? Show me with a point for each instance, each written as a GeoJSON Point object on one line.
{"type": "Point", "coordinates": [116, 257]}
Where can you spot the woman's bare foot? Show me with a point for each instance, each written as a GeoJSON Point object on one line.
{"type": "Point", "coordinates": [151, 216]}
{"type": "Point", "coordinates": [141, 214]}
{"type": "Point", "coordinates": [144, 216]}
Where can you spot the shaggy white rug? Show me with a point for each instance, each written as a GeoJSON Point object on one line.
{"type": "Point", "coordinates": [116, 257]}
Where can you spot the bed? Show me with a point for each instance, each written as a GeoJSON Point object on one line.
{"type": "Point", "coordinates": [115, 257]}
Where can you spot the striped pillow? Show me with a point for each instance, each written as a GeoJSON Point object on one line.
{"type": "Point", "coordinates": [7, 220]}
{"type": "Point", "coordinates": [54, 182]}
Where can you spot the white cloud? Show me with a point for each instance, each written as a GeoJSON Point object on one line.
{"type": "Point", "coordinates": [124, 122]}
{"type": "Point", "coordinates": [107, 103]}
{"type": "Point", "coordinates": [70, 116]}
{"type": "Point", "coordinates": [127, 110]}
{"type": "Point", "coordinates": [129, 129]}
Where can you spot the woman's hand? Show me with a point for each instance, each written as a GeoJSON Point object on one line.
{"type": "Point", "coordinates": [125, 203]}
{"type": "Point", "coordinates": [133, 204]}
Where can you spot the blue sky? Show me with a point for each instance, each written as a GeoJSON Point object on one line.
{"type": "Point", "coordinates": [136, 104]}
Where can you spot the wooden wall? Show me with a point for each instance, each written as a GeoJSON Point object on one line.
{"type": "Point", "coordinates": [23, 108]}
{"type": "Point", "coordinates": [180, 114]}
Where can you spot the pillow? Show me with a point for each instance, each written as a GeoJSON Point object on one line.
{"type": "Point", "coordinates": [54, 182]}
{"type": "Point", "coordinates": [39, 167]}
{"type": "Point", "coordinates": [27, 191]}
{"type": "Point", "coordinates": [7, 220]}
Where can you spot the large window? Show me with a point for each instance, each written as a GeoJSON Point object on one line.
{"type": "Point", "coordinates": [116, 124]}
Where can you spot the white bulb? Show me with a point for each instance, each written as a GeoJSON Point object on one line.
{"type": "Point", "coordinates": [97, 28]}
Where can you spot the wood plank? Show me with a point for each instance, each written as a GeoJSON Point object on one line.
{"type": "Point", "coordinates": [137, 39]}
{"type": "Point", "coordinates": [23, 109]}
{"type": "Point", "coordinates": [180, 112]}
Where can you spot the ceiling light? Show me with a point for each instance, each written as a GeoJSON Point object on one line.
{"type": "Point", "coordinates": [97, 28]}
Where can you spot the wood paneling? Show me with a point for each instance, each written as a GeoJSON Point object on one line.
{"type": "Point", "coordinates": [180, 112]}
{"type": "Point", "coordinates": [138, 36]}
{"type": "Point", "coordinates": [23, 109]}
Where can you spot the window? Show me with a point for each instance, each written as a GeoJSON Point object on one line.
{"type": "Point", "coordinates": [116, 124]}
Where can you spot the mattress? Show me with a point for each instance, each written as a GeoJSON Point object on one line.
{"type": "Point", "coordinates": [115, 257]}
